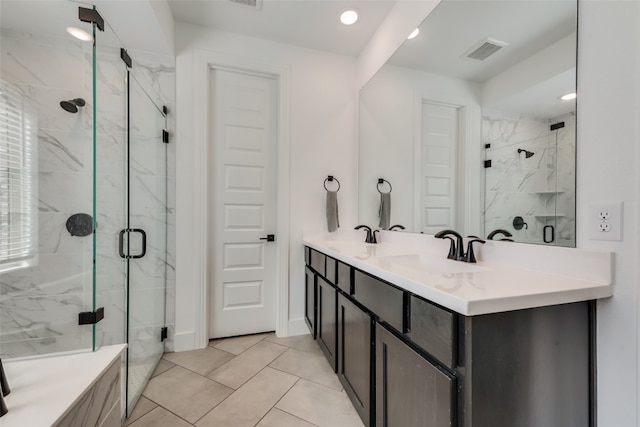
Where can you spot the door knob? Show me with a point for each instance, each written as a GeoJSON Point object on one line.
{"type": "Point", "coordinates": [269, 238]}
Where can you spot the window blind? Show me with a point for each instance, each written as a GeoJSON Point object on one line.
{"type": "Point", "coordinates": [18, 185]}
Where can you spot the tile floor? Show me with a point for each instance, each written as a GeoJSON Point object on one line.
{"type": "Point", "coordinates": [255, 380]}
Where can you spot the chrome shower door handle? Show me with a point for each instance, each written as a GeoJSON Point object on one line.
{"type": "Point", "coordinates": [121, 242]}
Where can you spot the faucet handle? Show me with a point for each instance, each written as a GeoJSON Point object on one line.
{"type": "Point", "coordinates": [452, 248]}
{"type": "Point", "coordinates": [470, 256]}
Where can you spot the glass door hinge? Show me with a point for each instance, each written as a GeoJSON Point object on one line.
{"type": "Point", "coordinates": [91, 317]}
{"type": "Point", "coordinates": [163, 333]}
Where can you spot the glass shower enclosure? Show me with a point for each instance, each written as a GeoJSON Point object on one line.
{"type": "Point", "coordinates": [83, 191]}
{"type": "Point", "coordinates": [530, 177]}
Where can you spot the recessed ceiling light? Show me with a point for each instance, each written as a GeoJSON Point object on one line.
{"type": "Point", "coordinates": [349, 17]}
{"type": "Point", "coordinates": [568, 97]}
{"type": "Point", "coordinates": [413, 34]}
{"type": "Point", "coordinates": [79, 34]}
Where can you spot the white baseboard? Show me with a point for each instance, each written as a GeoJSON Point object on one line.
{"type": "Point", "coordinates": [297, 327]}
{"type": "Point", "coordinates": [184, 341]}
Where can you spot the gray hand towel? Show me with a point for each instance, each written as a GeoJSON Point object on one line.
{"type": "Point", "coordinates": [385, 210]}
{"type": "Point", "coordinates": [332, 211]}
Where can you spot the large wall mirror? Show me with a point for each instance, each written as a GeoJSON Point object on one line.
{"type": "Point", "coordinates": [468, 125]}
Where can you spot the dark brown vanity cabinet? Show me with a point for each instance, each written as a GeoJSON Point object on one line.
{"type": "Point", "coordinates": [354, 355]}
{"type": "Point", "coordinates": [310, 300]}
{"type": "Point", "coordinates": [410, 390]}
{"type": "Point", "coordinates": [405, 361]}
{"type": "Point", "coordinates": [326, 329]}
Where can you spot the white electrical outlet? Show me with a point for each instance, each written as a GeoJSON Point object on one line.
{"type": "Point", "coordinates": [605, 221]}
{"type": "Point", "coordinates": [604, 214]}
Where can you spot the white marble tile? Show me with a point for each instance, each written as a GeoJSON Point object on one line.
{"type": "Point", "coordinates": [68, 192]}
{"type": "Point", "coordinates": [64, 151]}
{"type": "Point", "coordinates": [29, 347]}
{"type": "Point", "coordinates": [96, 403]}
{"type": "Point", "coordinates": [54, 238]}
{"type": "Point", "coordinates": [53, 274]}
{"type": "Point", "coordinates": [42, 61]}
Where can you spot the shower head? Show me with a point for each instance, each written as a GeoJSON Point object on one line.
{"type": "Point", "coordinates": [527, 154]}
{"type": "Point", "coordinates": [72, 105]}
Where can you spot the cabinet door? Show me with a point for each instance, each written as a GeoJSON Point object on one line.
{"type": "Point", "coordinates": [326, 325]}
{"type": "Point", "coordinates": [354, 355]}
{"type": "Point", "coordinates": [410, 391]}
{"type": "Point", "coordinates": [310, 300]}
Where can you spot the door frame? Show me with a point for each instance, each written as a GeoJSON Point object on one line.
{"type": "Point", "coordinates": [470, 195]}
{"type": "Point", "coordinates": [204, 62]}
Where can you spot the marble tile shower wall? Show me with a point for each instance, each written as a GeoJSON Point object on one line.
{"type": "Point", "coordinates": [39, 305]}
{"type": "Point", "coordinates": [541, 188]}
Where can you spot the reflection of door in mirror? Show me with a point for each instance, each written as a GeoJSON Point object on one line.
{"type": "Point", "coordinates": [436, 167]}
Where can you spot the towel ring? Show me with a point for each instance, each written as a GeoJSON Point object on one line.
{"type": "Point", "coordinates": [382, 181]}
{"type": "Point", "coordinates": [331, 178]}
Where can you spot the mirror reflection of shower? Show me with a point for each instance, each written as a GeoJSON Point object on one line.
{"type": "Point", "coordinates": [72, 105]}
{"type": "Point", "coordinates": [527, 153]}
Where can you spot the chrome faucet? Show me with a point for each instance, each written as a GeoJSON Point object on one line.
{"type": "Point", "coordinates": [371, 235]}
{"type": "Point", "coordinates": [456, 249]}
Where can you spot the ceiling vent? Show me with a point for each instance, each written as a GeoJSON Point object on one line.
{"type": "Point", "coordinates": [255, 4]}
{"type": "Point", "coordinates": [484, 49]}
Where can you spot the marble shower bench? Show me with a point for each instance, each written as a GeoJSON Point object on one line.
{"type": "Point", "coordinates": [79, 389]}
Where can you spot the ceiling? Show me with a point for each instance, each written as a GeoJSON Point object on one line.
{"type": "Point", "coordinates": [455, 26]}
{"type": "Point", "coordinates": [312, 24]}
{"type": "Point", "coordinates": [527, 26]}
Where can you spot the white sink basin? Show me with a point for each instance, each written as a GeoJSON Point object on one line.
{"type": "Point", "coordinates": [430, 264]}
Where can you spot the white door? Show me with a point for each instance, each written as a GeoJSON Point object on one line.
{"type": "Point", "coordinates": [243, 267]}
{"type": "Point", "coordinates": [438, 167]}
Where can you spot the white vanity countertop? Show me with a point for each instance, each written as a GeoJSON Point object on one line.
{"type": "Point", "coordinates": [505, 277]}
{"type": "Point", "coordinates": [44, 389]}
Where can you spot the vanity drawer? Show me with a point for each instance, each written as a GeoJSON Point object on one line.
{"type": "Point", "coordinates": [344, 278]}
{"type": "Point", "coordinates": [317, 261]}
{"type": "Point", "coordinates": [380, 298]}
{"type": "Point", "coordinates": [433, 329]}
{"type": "Point", "coordinates": [330, 267]}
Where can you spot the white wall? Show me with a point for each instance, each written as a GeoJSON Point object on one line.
{"type": "Point", "coordinates": [323, 117]}
{"type": "Point", "coordinates": [390, 111]}
{"type": "Point", "coordinates": [323, 135]}
{"type": "Point", "coordinates": [608, 165]}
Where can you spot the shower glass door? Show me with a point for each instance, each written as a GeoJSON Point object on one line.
{"type": "Point", "coordinates": [522, 189]}
{"type": "Point", "coordinates": [145, 238]}
{"type": "Point", "coordinates": [130, 179]}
